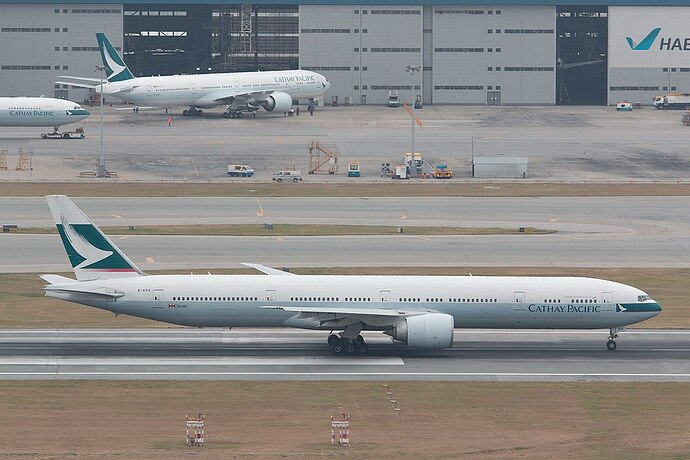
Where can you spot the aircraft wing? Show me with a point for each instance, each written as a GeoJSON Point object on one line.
{"type": "Point", "coordinates": [341, 311]}
{"type": "Point", "coordinates": [222, 97]}
{"type": "Point", "coordinates": [340, 316]}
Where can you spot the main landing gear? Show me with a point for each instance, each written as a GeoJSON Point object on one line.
{"type": "Point", "coordinates": [340, 345]}
{"type": "Point", "coordinates": [192, 112]}
{"type": "Point", "coordinates": [349, 342]}
{"type": "Point", "coordinates": [613, 334]}
{"type": "Point", "coordinates": [233, 114]}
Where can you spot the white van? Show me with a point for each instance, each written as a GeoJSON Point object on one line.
{"type": "Point", "coordinates": [240, 171]}
{"type": "Point", "coordinates": [294, 176]}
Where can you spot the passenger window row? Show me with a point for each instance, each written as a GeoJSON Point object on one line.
{"type": "Point", "coordinates": [216, 299]}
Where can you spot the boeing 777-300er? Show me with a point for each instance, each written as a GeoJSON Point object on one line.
{"type": "Point", "coordinates": [241, 91]}
{"type": "Point", "coordinates": [39, 111]}
{"type": "Point", "coordinates": [421, 311]}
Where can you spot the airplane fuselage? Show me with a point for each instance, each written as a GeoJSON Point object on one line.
{"type": "Point", "coordinates": [473, 301]}
{"type": "Point", "coordinates": [211, 90]}
{"type": "Point", "coordinates": [39, 111]}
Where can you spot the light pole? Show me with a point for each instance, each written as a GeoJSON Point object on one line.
{"type": "Point", "coordinates": [411, 69]}
{"type": "Point", "coordinates": [101, 171]}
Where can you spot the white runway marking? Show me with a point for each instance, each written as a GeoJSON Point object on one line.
{"type": "Point", "coordinates": [220, 361]}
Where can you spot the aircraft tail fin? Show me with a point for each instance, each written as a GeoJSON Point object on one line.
{"type": "Point", "coordinates": [115, 67]}
{"type": "Point", "coordinates": [91, 253]}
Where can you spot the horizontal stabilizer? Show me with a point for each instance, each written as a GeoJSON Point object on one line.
{"type": "Point", "coordinates": [56, 279]}
{"type": "Point", "coordinates": [91, 79]}
{"type": "Point", "coordinates": [76, 290]}
{"type": "Point", "coordinates": [78, 85]}
{"type": "Point", "coordinates": [268, 270]}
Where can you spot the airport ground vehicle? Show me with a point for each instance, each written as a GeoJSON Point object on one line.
{"type": "Point", "coordinates": [673, 101]}
{"type": "Point", "coordinates": [76, 134]}
{"type": "Point", "coordinates": [240, 171]}
{"type": "Point", "coordinates": [294, 176]}
{"type": "Point", "coordinates": [393, 100]}
{"type": "Point", "coordinates": [442, 171]}
{"type": "Point", "coordinates": [353, 169]}
{"type": "Point", "coordinates": [624, 106]}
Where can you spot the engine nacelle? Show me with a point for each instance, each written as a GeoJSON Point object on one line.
{"type": "Point", "coordinates": [430, 330]}
{"type": "Point", "coordinates": [277, 102]}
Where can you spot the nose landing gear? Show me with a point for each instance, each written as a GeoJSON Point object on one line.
{"type": "Point", "coordinates": [613, 334]}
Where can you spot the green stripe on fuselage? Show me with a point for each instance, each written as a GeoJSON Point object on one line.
{"type": "Point", "coordinates": [642, 307]}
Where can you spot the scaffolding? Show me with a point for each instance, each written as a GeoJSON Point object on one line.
{"type": "Point", "coordinates": [3, 158]}
{"type": "Point", "coordinates": [322, 159]}
{"type": "Point", "coordinates": [25, 162]}
{"type": "Point", "coordinates": [195, 430]}
{"type": "Point", "coordinates": [246, 29]}
{"type": "Point", "coordinates": [342, 424]}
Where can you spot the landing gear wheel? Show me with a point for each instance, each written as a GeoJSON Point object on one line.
{"type": "Point", "coordinates": [359, 339]}
{"type": "Point", "coordinates": [349, 348]}
{"type": "Point", "coordinates": [185, 113]}
{"type": "Point", "coordinates": [199, 113]}
{"type": "Point", "coordinates": [338, 348]}
{"type": "Point", "coordinates": [611, 345]}
{"type": "Point", "coordinates": [65, 135]}
{"type": "Point", "coordinates": [333, 339]}
{"type": "Point", "coordinates": [361, 347]}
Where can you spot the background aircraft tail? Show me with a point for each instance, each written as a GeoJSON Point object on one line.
{"type": "Point", "coordinates": [115, 67]}
{"type": "Point", "coordinates": [91, 253]}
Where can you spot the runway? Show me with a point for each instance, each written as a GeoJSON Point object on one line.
{"type": "Point", "coordinates": [280, 354]}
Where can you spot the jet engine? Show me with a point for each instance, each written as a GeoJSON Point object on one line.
{"type": "Point", "coordinates": [430, 330]}
{"type": "Point", "coordinates": [277, 102]}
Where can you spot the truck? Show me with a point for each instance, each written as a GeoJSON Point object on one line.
{"type": "Point", "coordinates": [76, 134]}
{"type": "Point", "coordinates": [442, 171]}
{"type": "Point", "coordinates": [673, 101]}
{"type": "Point", "coordinates": [240, 171]}
{"type": "Point", "coordinates": [393, 100]}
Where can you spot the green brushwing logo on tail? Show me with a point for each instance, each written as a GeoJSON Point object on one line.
{"type": "Point", "coordinates": [116, 69]}
{"type": "Point", "coordinates": [87, 249]}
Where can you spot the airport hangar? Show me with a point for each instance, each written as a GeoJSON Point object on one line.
{"type": "Point", "coordinates": [510, 52]}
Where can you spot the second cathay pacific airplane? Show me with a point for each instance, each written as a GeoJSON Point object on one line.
{"type": "Point", "coordinates": [39, 111]}
{"type": "Point", "coordinates": [240, 92]}
{"type": "Point", "coordinates": [421, 311]}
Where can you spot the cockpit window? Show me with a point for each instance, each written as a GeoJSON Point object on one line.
{"type": "Point", "coordinates": [642, 298]}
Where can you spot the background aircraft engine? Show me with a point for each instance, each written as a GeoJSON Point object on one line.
{"type": "Point", "coordinates": [430, 330]}
{"type": "Point", "coordinates": [278, 102]}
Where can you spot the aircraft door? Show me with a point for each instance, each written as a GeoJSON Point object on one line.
{"type": "Point", "coordinates": [385, 299]}
{"type": "Point", "coordinates": [270, 297]}
{"type": "Point", "coordinates": [607, 301]}
{"type": "Point", "coordinates": [158, 298]}
{"type": "Point", "coordinates": [193, 86]}
{"type": "Point", "coordinates": [520, 300]}
{"type": "Point", "coordinates": [149, 91]}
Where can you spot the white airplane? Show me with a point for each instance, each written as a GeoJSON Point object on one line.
{"type": "Point", "coordinates": [421, 311]}
{"type": "Point", "coordinates": [39, 111]}
{"type": "Point", "coordinates": [241, 92]}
